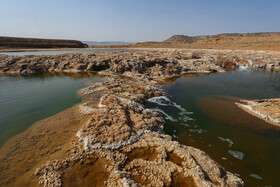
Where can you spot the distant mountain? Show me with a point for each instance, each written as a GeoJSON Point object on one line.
{"type": "Point", "coordinates": [180, 39]}
{"type": "Point", "coordinates": [264, 41]}
{"type": "Point", "coordinates": [106, 43]}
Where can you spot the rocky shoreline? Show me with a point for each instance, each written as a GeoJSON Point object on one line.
{"type": "Point", "coordinates": [123, 140]}
{"type": "Point", "coordinates": [266, 109]}
{"type": "Point", "coordinates": [129, 138]}
{"type": "Point", "coordinates": [152, 63]}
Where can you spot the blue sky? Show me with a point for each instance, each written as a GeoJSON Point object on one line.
{"type": "Point", "coordinates": [135, 20]}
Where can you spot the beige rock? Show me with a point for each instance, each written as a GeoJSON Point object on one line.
{"type": "Point", "coordinates": [266, 109]}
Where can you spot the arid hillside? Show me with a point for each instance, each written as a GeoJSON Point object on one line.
{"type": "Point", "coordinates": [249, 41]}
{"type": "Point", "coordinates": [14, 42]}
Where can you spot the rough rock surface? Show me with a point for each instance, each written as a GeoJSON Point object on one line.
{"type": "Point", "coordinates": [152, 63]}
{"type": "Point", "coordinates": [266, 109]}
{"type": "Point", "coordinates": [122, 118]}
{"type": "Point", "coordinates": [123, 143]}
{"type": "Point", "coordinates": [128, 139]}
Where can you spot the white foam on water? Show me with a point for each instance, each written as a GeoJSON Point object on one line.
{"type": "Point", "coordinates": [256, 176]}
{"type": "Point", "coordinates": [165, 101]}
{"type": "Point", "coordinates": [236, 154]}
{"type": "Point", "coordinates": [186, 118]}
{"type": "Point", "coordinates": [236, 174]}
{"type": "Point", "coordinates": [199, 131]}
{"type": "Point", "coordinates": [224, 158]}
{"type": "Point", "coordinates": [185, 124]}
{"type": "Point", "coordinates": [166, 115]}
{"type": "Point", "coordinates": [226, 140]}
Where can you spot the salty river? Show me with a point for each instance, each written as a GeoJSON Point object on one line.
{"type": "Point", "coordinates": [199, 112]}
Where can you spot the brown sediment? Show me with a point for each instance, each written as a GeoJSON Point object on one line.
{"type": "Point", "coordinates": [224, 109]}
{"type": "Point", "coordinates": [45, 140]}
{"type": "Point", "coordinates": [145, 153]}
{"type": "Point", "coordinates": [88, 172]}
{"type": "Point", "coordinates": [172, 157]}
{"type": "Point", "coordinates": [265, 109]}
{"type": "Point", "coordinates": [181, 181]}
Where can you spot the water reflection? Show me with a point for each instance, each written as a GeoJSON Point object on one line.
{"type": "Point", "coordinates": [242, 143]}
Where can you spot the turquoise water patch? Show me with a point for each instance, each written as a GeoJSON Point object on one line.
{"type": "Point", "coordinates": [27, 99]}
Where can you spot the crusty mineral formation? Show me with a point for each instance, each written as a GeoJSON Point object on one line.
{"type": "Point", "coordinates": [122, 118]}
{"type": "Point", "coordinates": [123, 144]}
{"type": "Point", "coordinates": [266, 109]}
{"type": "Point", "coordinates": [154, 160]}
{"type": "Point", "coordinates": [152, 62]}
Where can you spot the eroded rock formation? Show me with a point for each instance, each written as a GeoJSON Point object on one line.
{"type": "Point", "coordinates": [152, 63]}
{"type": "Point", "coordinates": [266, 109]}
{"type": "Point", "coordinates": [123, 143]}
{"type": "Point", "coordinates": [129, 141]}
{"type": "Point", "coordinates": [149, 63]}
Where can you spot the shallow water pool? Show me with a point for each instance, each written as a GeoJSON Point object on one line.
{"type": "Point", "coordinates": [29, 98]}
{"type": "Point", "coordinates": [203, 115]}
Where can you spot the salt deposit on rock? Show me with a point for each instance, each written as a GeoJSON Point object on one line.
{"type": "Point", "coordinates": [266, 109]}
{"type": "Point", "coordinates": [129, 138]}
{"type": "Point", "coordinates": [123, 143]}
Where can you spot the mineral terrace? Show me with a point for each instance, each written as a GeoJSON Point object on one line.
{"type": "Point", "coordinates": [123, 143]}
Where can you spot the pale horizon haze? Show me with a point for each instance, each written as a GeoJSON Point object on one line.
{"type": "Point", "coordinates": [135, 21]}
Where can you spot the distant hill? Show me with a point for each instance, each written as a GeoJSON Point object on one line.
{"type": "Point", "coordinates": [268, 41]}
{"type": "Point", "coordinates": [106, 43]}
{"type": "Point", "coordinates": [16, 42]}
{"type": "Point", "coordinates": [180, 39]}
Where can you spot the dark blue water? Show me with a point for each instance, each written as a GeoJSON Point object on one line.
{"type": "Point", "coordinates": [243, 144]}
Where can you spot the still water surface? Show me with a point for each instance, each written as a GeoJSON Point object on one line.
{"type": "Point", "coordinates": [209, 120]}
{"type": "Point", "coordinates": [202, 114]}
{"type": "Point", "coordinates": [27, 99]}
{"type": "Point", "coordinates": [56, 52]}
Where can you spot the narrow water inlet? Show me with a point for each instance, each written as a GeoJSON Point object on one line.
{"type": "Point", "coordinates": [240, 142]}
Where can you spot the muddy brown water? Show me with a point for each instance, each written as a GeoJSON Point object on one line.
{"type": "Point", "coordinates": [243, 144]}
